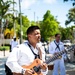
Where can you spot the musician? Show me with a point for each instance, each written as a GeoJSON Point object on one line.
{"type": "Point", "coordinates": [54, 47]}
{"type": "Point", "coordinates": [26, 53]}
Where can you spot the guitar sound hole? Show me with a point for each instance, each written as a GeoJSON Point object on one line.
{"type": "Point", "coordinates": [36, 69]}
{"type": "Point", "coordinates": [36, 61]}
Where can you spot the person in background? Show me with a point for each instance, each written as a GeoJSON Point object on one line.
{"type": "Point", "coordinates": [11, 39]}
{"type": "Point", "coordinates": [26, 53]}
{"type": "Point", "coordinates": [13, 43]}
{"type": "Point", "coordinates": [54, 47]}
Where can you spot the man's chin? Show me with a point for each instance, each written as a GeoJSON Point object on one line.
{"type": "Point", "coordinates": [38, 41]}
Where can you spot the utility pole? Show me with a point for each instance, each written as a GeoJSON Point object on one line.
{"type": "Point", "coordinates": [14, 20]}
{"type": "Point", "coordinates": [1, 25]}
{"type": "Point", "coordinates": [20, 21]}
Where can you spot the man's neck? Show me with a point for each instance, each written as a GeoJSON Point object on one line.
{"type": "Point", "coordinates": [57, 41]}
{"type": "Point", "coordinates": [33, 44]}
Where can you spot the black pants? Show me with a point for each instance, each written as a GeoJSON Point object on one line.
{"type": "Point", "coordinates": [10, 48]}
{"type": "Point", "coordinates": [7, 70]}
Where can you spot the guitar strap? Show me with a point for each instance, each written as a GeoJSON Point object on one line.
{"type": "Point", "coordinates": [36, 55]}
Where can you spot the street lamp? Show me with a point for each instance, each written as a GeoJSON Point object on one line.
{"type": "Point", "coordinates": [34, 16]}
{"type": "Point", "coordinates": [37, 20]}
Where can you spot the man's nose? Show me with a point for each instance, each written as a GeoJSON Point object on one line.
{"type": "Point", "coordinates": [39, 35]}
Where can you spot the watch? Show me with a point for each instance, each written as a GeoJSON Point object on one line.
{"type": "Point", "coordinates": [23, 71]}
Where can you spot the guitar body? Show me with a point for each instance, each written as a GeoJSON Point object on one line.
{"type": "Point", "coordinates": [36, 62]}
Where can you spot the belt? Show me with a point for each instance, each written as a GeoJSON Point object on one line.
{"type": "Point", "coordinates": [17, 73]}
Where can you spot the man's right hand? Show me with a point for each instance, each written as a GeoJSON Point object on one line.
{"type": "Point", "coordinates": [59, 57]}
{"type": "Point", "coordinates": [55, 53]}
{"type": "Point", "coordinates": [28, 72]}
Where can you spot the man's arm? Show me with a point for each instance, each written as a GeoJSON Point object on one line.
{"type": "Point", "coordinates": [12, 61]}
{"type": "Point", "coordinates": [44, 65]}
{"type": "Point", "coordinates": [51, 48]}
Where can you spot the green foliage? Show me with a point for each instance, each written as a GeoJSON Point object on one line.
{"type": "Point", "coordinates": [25, 25]}
{"type": "Point", "coordinates": [2, 48]}
{"type": "Point", "coordinates": [33, 23]}
{"type": "Point", "coordinates": [49, 16]}
{"type": "Point", "coordinates": [71, 16]}
{"type": "Point", "coordinates": [66, 33]}
{"type": "Point", "coordinates": [4, 7]}
{"type": "Point", "coordinates": [9, 21]}
{"type": "Point", "coordinates": [71, 1]}
{"type": "Point", "coordinates": [18, 30]}
{"type": "Point", "coordinates": [25, 21]}
{"type": "Point", "coordinates": [49, 26]}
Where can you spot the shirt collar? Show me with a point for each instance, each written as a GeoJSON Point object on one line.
{"type": "Point", "coordinates": [57, 42]}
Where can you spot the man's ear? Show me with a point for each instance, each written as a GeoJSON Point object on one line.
{"type": "Point", "coordinates": [29, 35]}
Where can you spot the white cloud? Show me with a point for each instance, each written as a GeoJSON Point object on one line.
{"type": "Point", "coordinates": [49, 1]}
{"type": "Point", "coordinates": [25, 4]}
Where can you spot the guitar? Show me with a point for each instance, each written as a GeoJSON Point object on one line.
{"type": "Point", "coordinates": [35, 65]}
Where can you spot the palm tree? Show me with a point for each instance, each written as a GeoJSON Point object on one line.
{"type": "Point", "coordinates": [4, 6]}
{"type": "Point", "coordinates": [70, 0]}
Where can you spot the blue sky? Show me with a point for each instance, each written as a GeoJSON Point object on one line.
{"type": "Point", "coordinates": [57, 7]}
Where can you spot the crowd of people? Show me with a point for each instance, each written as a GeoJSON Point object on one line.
{"type": "Point", "coordinates": [28, 58]}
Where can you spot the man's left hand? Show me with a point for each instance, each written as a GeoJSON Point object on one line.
{"type": "Point", "coordinates": [43, 66]}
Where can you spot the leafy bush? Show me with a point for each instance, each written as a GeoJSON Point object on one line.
{"type": "Point", "coordinates": [2, 48]}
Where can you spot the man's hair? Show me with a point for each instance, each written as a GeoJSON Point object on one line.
{"type": "Point", "coordinates": [31, 29]}
{"type": "Point", "coordinates": [14, 39]}
{"type": "Point", "coordinates": [57, 34]}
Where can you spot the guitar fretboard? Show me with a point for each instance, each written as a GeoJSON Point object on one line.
{"type": "Point", "coordinates": [57, 55]}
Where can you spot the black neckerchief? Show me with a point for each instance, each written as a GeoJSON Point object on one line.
{"type": "Point", "coordinates": [36, 55]}
{"type": "Point", "coordinates": [57, 45]}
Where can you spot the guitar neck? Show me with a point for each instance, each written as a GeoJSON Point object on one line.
{"type": "Point", "coordinates": [59, 54]}
{"type": "Point", "coordinates": [55, 57]}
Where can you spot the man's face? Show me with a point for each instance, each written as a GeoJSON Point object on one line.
{"type": "Point", "coordinates": [58, 37]}
{"type": "Point", "coordinates": [35, 36]}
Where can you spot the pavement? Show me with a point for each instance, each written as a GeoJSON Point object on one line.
{"type": "Point", "coordinates": [4, 54]}
{"type": "Point", "coordinates": [3, 58]}
{"type": "Point", "coordinates": [70, 67]}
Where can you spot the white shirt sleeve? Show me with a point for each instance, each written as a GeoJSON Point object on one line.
{"type": "Point", "coordinates": [51, 51]}
{"type": "Point", "coordinates": [12, 61]}
{"type": "Point", "coordinates": [43, 58]}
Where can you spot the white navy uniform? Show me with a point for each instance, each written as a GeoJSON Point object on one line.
{"type": "Point", "coordinates": [13, 44]}
{"type": "Point", "coordinates": [58, 63]}
{"type": "Point", "coordinates": [22, 55]}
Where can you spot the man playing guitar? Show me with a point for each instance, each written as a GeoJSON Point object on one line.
{"type": "Point", "coordinates": [27, 58]}
{"type": "Point", "coordinates": [54, 48]}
